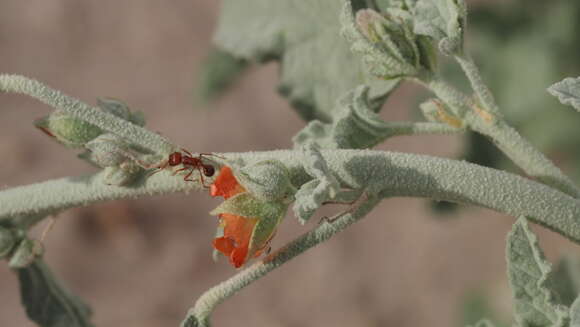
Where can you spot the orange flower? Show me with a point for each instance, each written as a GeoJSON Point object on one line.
{"type": "Point", "coordinates": [248, 224]}
{"type": "Point", "coordinates": [226, 184]}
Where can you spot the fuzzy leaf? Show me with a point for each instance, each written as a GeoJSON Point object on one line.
{"type": "Point", "coordinates": [567, 91]}
{"type": "Point", "coordinates": [317, 66]}
{"type": "Point", "coordinates": [442, 20]}
{"type": "Point", "coordinates": [324, 187]}
{"type": "Point", "coordinates": [354, 126]}
{"type": "Point", "coordinates": [218, 72]}
{"type": "Point", "coordinates": [46, 302]}
{"type": "Point", "coordinates": [528, 273]}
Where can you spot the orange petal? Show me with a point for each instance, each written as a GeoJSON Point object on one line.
{"type": "Point", "coordinates": [238, 256]}
{"type": "Point", "coordinates": [238, 228]}
{"type": "Point", "coordinates": [236, 240]}
{"type": "Point", "coordinates": [226, 184]}
{"type": "Point", "coordinates": [224, 245]}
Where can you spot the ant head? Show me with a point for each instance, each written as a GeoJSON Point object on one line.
{"type": "Point", "coordinates": [175, 158]}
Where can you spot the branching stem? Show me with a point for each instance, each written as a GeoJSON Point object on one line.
{"type": "Point", "coordinates": [519, 150]}
{"type": "Point", "coordinates": [380, 173]}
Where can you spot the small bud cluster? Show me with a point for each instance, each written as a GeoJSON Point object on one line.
{"type": "Point", "coordinates": [104, 150]}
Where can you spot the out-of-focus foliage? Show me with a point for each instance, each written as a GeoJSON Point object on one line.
{"type": "Point", "coordinates": [290, 31]}
{"type": "Point", "coordinates": [523, 47]}
{"type": "Point", "coordinates": [476, 310]}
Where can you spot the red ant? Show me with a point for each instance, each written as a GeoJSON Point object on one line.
{"type": "Point", "coordinates": [188, 161]}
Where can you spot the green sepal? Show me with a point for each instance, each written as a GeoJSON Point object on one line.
{"type": "Point", "coordinates": [264, 230]}
{"type": "Point", "coordinates": [246, 205]}
{"type": "Point", "coordinates": [67, 130]}
{"type": "Point", "coordinates": [268, 180]}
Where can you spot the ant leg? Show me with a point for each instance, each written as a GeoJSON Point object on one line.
{"type": "Point", "coordinates": [205, 154]}
{"type": "Point", "coordinates": [182, 169]}
{"type": "Point", "coordinates": [201, 177]}
{"type": "Point", "coordinates": [48, 228]}
{"type": "Point", "coordinates": [187, 152]}
{"type": "Point", "coordinates": [158, 168]}
{"type": "Point", "coordinates": [187, 177]}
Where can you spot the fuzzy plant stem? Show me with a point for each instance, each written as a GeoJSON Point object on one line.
{"type": "Point", "coordinates": [199, 315]}
{"type": "Point", "coordinates": [506, 138]}
{"type": "Point", "coordinates": [78, 109]}
{"type": "Point", "coordinates": [24, 206]}
{"type": "Point", "coordinates": [477, 84]}
{"type": "Point", "coordinates": [412, 128]}
{"type": "Point", "coordinates": [380, 173]}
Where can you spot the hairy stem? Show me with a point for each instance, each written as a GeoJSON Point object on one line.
{"type": "Point", "coordinates": [520, 151]}
{"type": "Point", "coordinates": [479, 87]}
{"type": "Point", "coordinates": [412, 128]}
{"type": "Point", "coordinates": [199, 315]}
{"type": "Point", "coordinates": [78, 109]}
{"type": "Point", "coordinates": [25, 206]}
{"type": "Point", "coordinates": [379, 173]}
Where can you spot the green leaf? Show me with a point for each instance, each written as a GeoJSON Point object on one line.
{"type": "Point", "coordinates": [354, 126]}
{"type": "Point", "coordinates": [528, 273]}
{"type": "Point", "coordinates": [567, 91]}
{"type": "Point", "coordinates": [317, 66]}
{"type": "Point", "coordinates": [218, 72]}
{"type": "Point", "coordinates": [46, 302]}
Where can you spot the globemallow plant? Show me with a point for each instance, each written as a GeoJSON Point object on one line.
{"type": "Point", "coordinates": [339, 62]}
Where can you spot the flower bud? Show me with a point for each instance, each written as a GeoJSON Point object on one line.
{"type": "Point", "coordinates": [67, 130]}
{"type": "Point", "coordinates": [387, 43]}
{"type": "Point", "coordinates": [268, 180]}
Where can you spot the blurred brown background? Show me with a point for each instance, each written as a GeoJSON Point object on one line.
{"type": "Point", "coordinates": [144, 262]}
